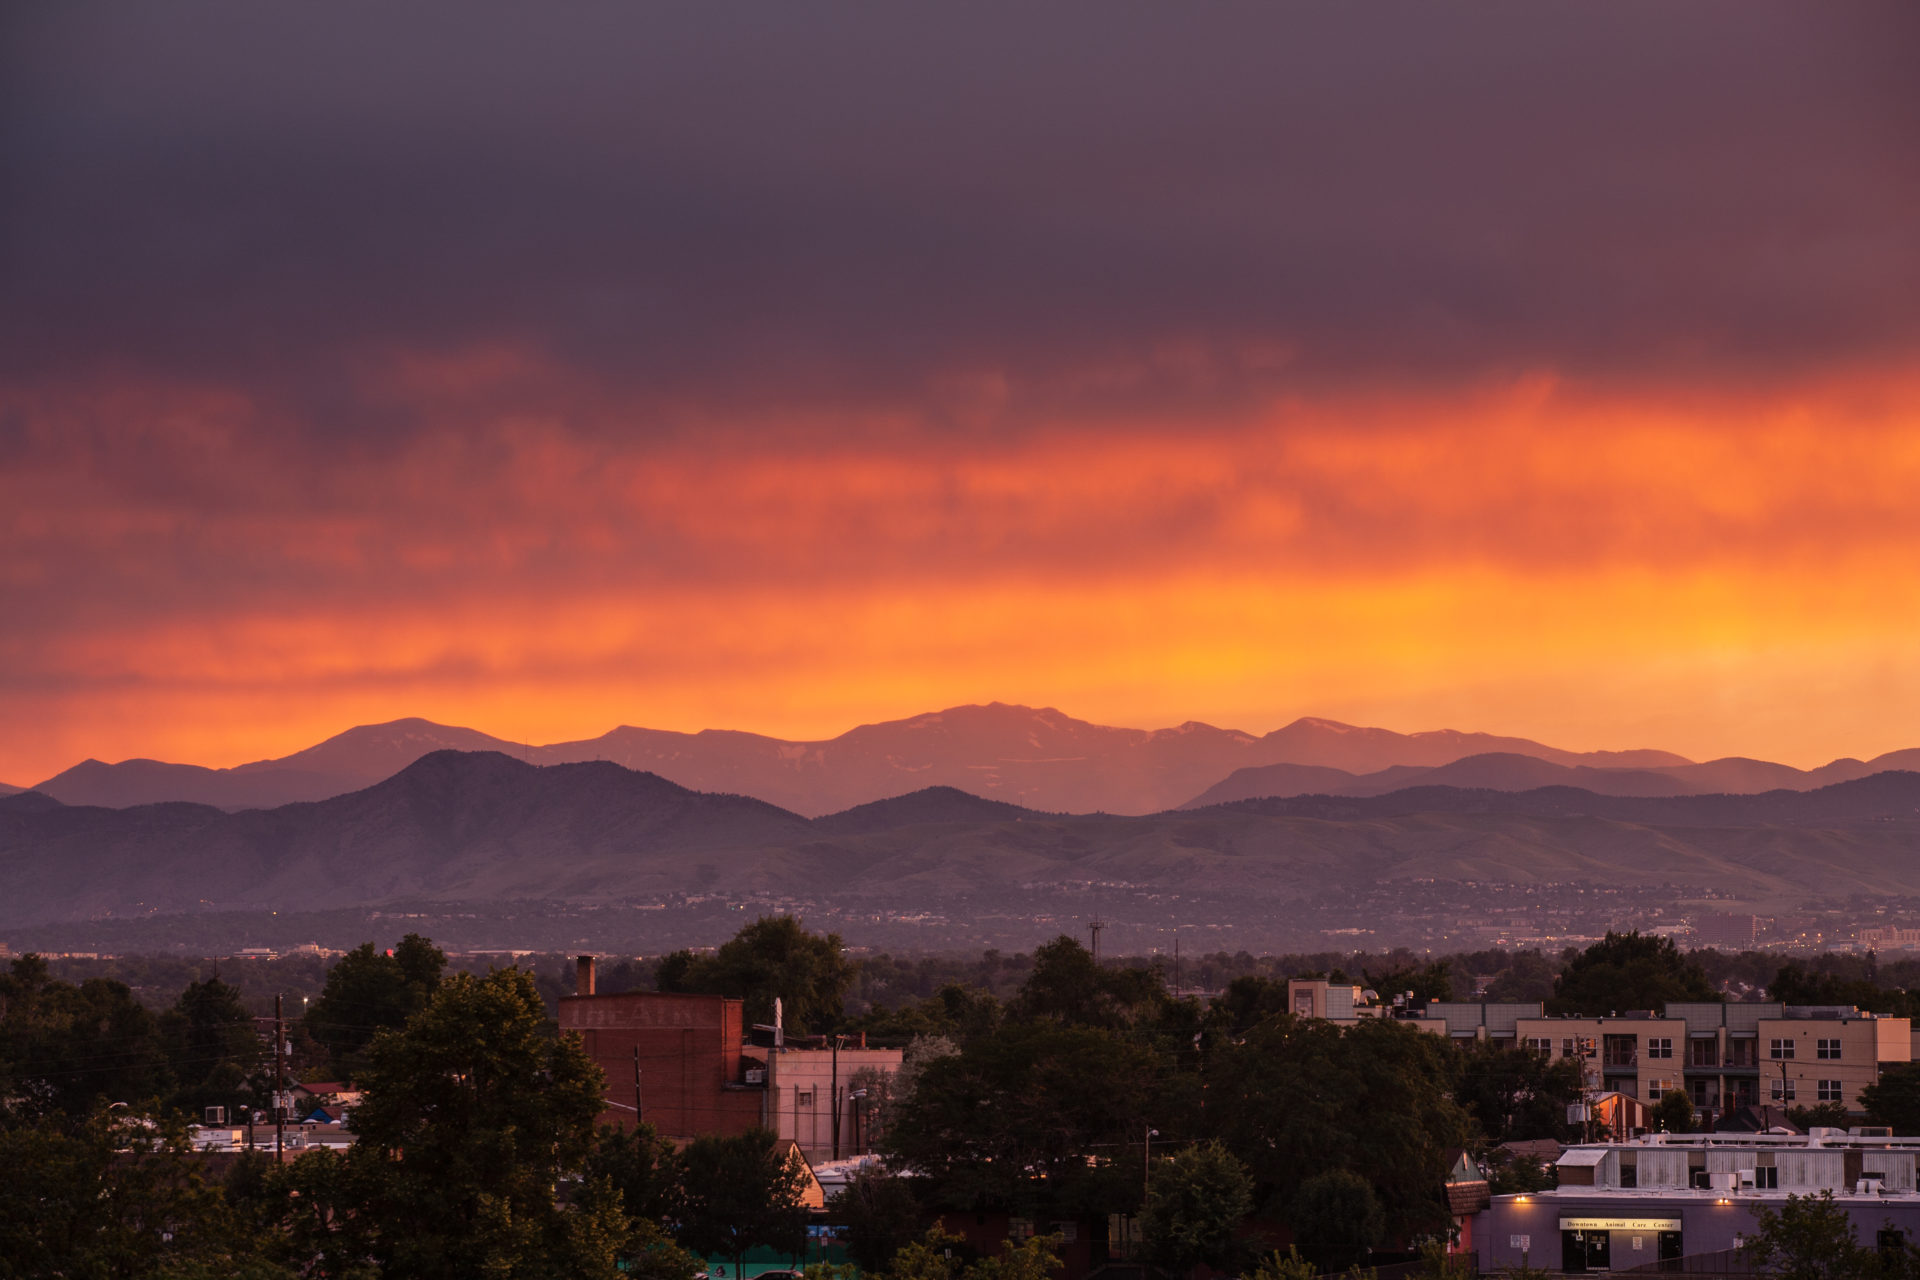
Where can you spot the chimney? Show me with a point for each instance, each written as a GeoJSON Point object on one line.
{"type": "Point", "coordinates": [583, 976]}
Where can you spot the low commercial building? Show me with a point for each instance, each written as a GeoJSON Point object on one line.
{"type": "Point", "coordinates": [684, 1064]}
{"type": "Point", "coordinates": [1623, 1205]}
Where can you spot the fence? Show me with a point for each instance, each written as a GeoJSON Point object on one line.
{"type": "Point", "coordinates": [1729, 1263]}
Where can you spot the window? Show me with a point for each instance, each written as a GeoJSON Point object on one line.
{"type": "Point", "coordinates": [1542, 1047]}
{"type": "Point", "coordinates": [1767, 1179]}
{"type": "Point", "coordinates": [1566, 1047]}
{"type": "Point", "coordinates": [1829, 1091]}
{"type": "Point", "coordinates": [1703, 1052]}
{"type": "Point", "coordinates": [1780, 1049]}
{"type": "Point", "coordinates": [1783, 1090]}
{"type": "Point", "coordinates": [1657, 1089]}
{"type": "Point", "coordinates": [1828, 1050]}
{"type": "Point", "coordinates": [1660, 1047]}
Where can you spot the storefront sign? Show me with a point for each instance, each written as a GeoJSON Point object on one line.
{"type": "Point", "coordinates": [1619, 1224]}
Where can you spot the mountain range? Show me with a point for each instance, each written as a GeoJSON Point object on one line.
{"type": "Point", "coordinates": [1038, 758]}
{"type": "Point", "coordinates": [483, 826]}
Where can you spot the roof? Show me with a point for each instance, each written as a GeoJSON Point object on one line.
{"type": "Point", "coordinates": [1581, 1157]}
{"type": "Point", "coordinates": [1467, 1197]}
{"type": "Point", "coordinates": [1533, 1148]}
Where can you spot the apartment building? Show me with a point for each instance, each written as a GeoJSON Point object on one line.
{"type": "Point", "coordinates": [1730, 1055]}
{"type": "Point", "coordinates": [1459, 1020]}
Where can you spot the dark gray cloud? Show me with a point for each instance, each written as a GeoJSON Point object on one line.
{"type": "Point", "coordinates": [848, 204]}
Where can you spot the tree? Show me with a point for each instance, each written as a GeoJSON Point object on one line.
{"type": "Point", "coordinates": [1337, 1218]}
{"type": "Point", "coordinates": [213, 1047]}
{"type": "Point", "coordinates": [1673, 1113]}
{"type": "Point", "coordinates": [774, 957]}
{"type": "Point", "coordinates": [1528, 976]}
{"type": "Point", "coordinates": [67, 1049]}
{"type": "Point", "coordinates": [1895, 1099]}
{"type": "Point", "coordinates": [1301, 1097]}
{"type": "Point", "coordinates": [881, 1217]}
{"type": "Point", "coordinates": [1009, 1121]}
{"type": "Point", "coordinates": [1066, 985]}
{"type": "Point", "coordinates": [370, 991]}
{"type": "Point", "coordinates": [1810, 1238]}
{"type": "Point", "coordinates": [1515, 1092]}
{"type": "Point", "coordinates": [1628, 971]}
{"type": "Point", "coordinates": [1831, 1115]}
{"type": "Point", "coordinates": [1795, 983]}
{"type": "Point", "coordinates": [932, 1257]}
{"type": "Point", "coordinates": [1194, 1210]}
{"type": "Point", "coordinates": [472, 1114]}
{"type": "Point", "coordinates": [740, 1192]}
{"type": "Point", "coordinates": [1247, 1001]}
{"type": "Point", "coordinates": [116, 1196]}
{"type": "Point", "coordinates": [1427, 982]}
{"type": "Point", "coordinates": [1035, 1258]}
{"type": "Point", "coordinates": [639, 1164]}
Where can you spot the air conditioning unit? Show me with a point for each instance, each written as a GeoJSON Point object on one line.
{"type": "Point", "coordinates": [1746, 1177]}
{"type": "Point", "coordinates": [756, 1075]}
{"type": "Point", "coordinates": [1722, 1181]}
{"type": "Point", "coordinates": [216, 1115]}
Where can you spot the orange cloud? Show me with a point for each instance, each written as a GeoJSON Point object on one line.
{"type": "Point", "coordinates": [1703, 574]}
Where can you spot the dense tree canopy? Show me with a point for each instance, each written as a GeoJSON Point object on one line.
{"type": "Point", "coordinates": [116, 1196]}
{"type": "Point", "coordinates": [739, 1193]}
{"type": "Point", "coordinates": [472, 1112]}
{"type": "Point", "coordinates": [1297, 1098]}
{"type": "Point", "coordinates": [1797, 983]}
{"type": "Point", "coordinates": [1628, 971]}
{"type": "Point", "coordinates": [880, 1216]}
{"type": "Point", "coordinates": [214, 1047]}
{"type": "Point", "coordinates": [1194, 1210]}
{"type": "Point", "coordinates": [369, 991]}
{"type": "Point", "coordinates": [1010, 1120]}
{"type": "Point", "coordinates": [68, 1049]}
{"type": "Point", "coordinates": [774, 957]}
{"type": "Point", "coordinates": [1513, 1092]}
{"type": "Point", "coordinates": [1895, 1098]}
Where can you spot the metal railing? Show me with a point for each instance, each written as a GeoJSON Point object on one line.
{"type": "Point", "coordinates": [1729, 1263]}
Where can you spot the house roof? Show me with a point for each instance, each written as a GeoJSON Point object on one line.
{"type": "Point", "coordinates": [1467, 1197]}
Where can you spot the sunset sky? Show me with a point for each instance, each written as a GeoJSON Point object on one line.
{"type": "Point", "coordinates": [1545, 370]}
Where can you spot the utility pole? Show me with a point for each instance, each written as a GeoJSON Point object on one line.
{"type": "Point", "coordinates": [1094, 926]}
{"type": "Point", "coordinates": [1176, 966]}
{"type": "Point", "coordinates": [833, 1108]}
{"type": "Point", "coordinates": [636, 1086]}
{"type": "Point", "coordinates": [280, 1082]}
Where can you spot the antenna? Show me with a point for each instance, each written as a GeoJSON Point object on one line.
{"type": "Point", "coordinates": [1094, 926]}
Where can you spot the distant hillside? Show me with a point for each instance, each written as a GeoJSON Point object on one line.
{"type": "Point", "coordinates": [1506, 771]}
{"type": "Point", "coordinates": [483, 826]}
{"type": "Point", "coordinates": [1038, 758]}
{"type": "Point", "coordinates": [346, 762]}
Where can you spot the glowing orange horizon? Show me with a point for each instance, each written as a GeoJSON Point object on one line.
{"type": "Point", "coordinates": [1710, 574]}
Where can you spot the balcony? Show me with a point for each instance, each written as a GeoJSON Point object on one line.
{"type": "Point", "coordinates": [1621, 1059]}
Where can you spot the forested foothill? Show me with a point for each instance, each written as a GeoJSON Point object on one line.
{"type": "Point", "coordinates": [1047, 1087]}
